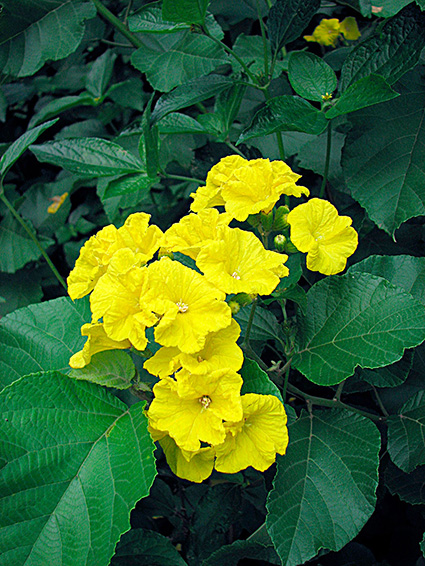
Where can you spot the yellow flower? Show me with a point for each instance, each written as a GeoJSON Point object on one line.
{"type": "Point", "coordinates": [328, 31]}
{"type": "Point", "coordinates": [97, 341]}
{"type": "Point", "coordinates": [256, 438]}
{"type": "Point", "coordinates": [209, 196]}
{"type": "Point", "coordinates": [58, 201]}
{"type": "Point", "coordinates": [118, 299]}
{"type": "Point", "coordinates": [327, 238]}
{"type": "Point", "coordinates": [194, 230]}
{"type": "Point", "coordinates": [142, 239]}
{"type": "Point", "coordinates": [238, 263]}
{"type": "Point", "coordinates": [188, 305]}
{"type": "Point", "coordinates": [191, 409]}
{"type": "Point", "coordinates": [220, 351]}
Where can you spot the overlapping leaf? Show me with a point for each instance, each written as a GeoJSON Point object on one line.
{"type": "Point", "coordinates": [288, 18]}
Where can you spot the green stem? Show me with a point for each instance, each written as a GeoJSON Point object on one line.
{"type": "Point", "coordinates": [312, 400]}
{"type": "Point", "coordinates": [34, 239]}
{"type": "Point", "coordinates": [182, 178]}
{"type": "Point", "coordinates": [380, 403]}
{"type": "Point", "coordinates": [122, 28]}
{"type": "Point", "coordinates": [234, 148]}
{"type": "Point", "coordinates": [287, 368]}
{"type": "Point", "coordinates": [327, 159]}
{"type": "Point", "coordinates": [250, 321]}
{"type": "Point", "coordinates": [339, 390]}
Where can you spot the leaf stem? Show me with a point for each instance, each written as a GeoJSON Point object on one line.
{"type": "Point", "coordinates": [327, 159]}
{"type": "Point", "coordinates": [182, 178]}
{"type": "Point", "coordinates": [380, 403]}
{"type": "Point", "coordinates": [122, 28]}
{"type": "Point", "coordinates": [234, 148]}
{"type": "Point", "coordinates": [34, 239]}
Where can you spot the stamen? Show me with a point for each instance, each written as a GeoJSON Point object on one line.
{"type": "Point", "coordinates": [205, 401]}
{"type": "Point", "coordinates": [183, 307]}
{"type": "Point", "coordinates": [236, 275]}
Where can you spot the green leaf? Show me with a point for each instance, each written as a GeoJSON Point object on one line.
{"type": "Point", "coordinates": [127, 185]}
{"type": "Point", "coordinates": [231, 554]}
{"type": "Point", "coordinates": [264, 325]}
{"type": "Point", "coordinates": [100, 74]}
{"type": "Point", "coordinates": [250, 48]}
{"type": "Point", "coordinates": [324, 488]}
{"type": "Point", "coordinates": [84, 459]}
{"type": "Point", "coordinates": [17, 148]}
{"type": "Point", "coordinates": [176, 123]}
{"type": "Point", "coordinates": [227, 106]}
{"type": "Point", "coordinates": [403, 271]}
{"type": "Point", "coordinates": [32, 33]}
{"type": "Point", "coordinates": [389, 53]}
{"type": "Point", "coordinates": [409, 487]}
{"type": "Point", "coordinates": [288, 19]}
{"type": "Point", "coordinates": [171, 60]}
{"type": "Point", "coordinates": [187, 11]}
{"type": "Point", "coordinates": [285, 113]}
{"type": "Point", "coordinates": [149, 143]}
{"type": "Point", "coordinates": [17, 248]}
{"type": "Point", "coordinates": [111, 369]}
{"type": "Point", "coordinates": [362, 6]}
{"type": "Point", "coordinates": [19, 290]}
{"type": "Point", "coordinates": [41, 337]}
{"type": "Point", "coordinates": [146, 548]}
{"type": "Point", "coordinates": [149, 20]}
{"type": "Point", "coordinates": [92, 157]}
{"type": "Point", "coordinates": [364, 92]}
{"type": "Point", "coordinates": [351, 321]}
{"type": "Point", "coordinates": [406, 433]}
{"type": "Point", "coordinates": [392, 7]}
{"type": "Point", "coordinates": [389, 376]}
{"type": "Point", "coordinates": [310, 76]}
{"type": "Point", "coordinates": [59, 105]}
{"type": "Point", "coordinates": [384, 155]}
{"type": "Point", "coordinates": [190, 93]}
{"type": "Point", "coordinates": [255, 380]}
{"type": "Point", "coordinates": [3, 106]}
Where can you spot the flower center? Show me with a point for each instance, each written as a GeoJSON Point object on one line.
{"type": "Point", "coordinates": [183, 307]}
{"type": "Point", "coordinates": [205, 401]}
{"type": "Point", "coordinates": [236, 275]}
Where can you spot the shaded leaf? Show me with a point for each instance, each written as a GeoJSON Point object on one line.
{"type": "Point", "coordinates": [146, 548]}
{"type": "Point", "coordinates": [111, 369]}
{"type": "Point", "coordinates": [19, 290]}
{"type": "Point", "coordinates": [149, 20]}
{"type": "Point", "coordinates": [59, 105]}
{"type": "Point", "coordinates": [327, 479]}
{"type": "Point", "coordinates": [255, 380]}
{"type": "Point", "coordinates": [176, 123]}
{"type": "Point", "coordinates": [264, 325]}
{"type": "Point", "coordinates": [67, 442]}
{"type": "Point", "coordinates": [288, 19]}
{"type": "Point", "coordinates": [409, 487]}
{"type": "Point", "coordinates": [231, 554]}
{"type": "Point", "coordinates": [354, 321]}
{"type": "Point", "coordinates": [100, 74]}
{"type": "Point", "coordinates": [310, 76]}
{"type": "Point", "coordinates": [188, 11]}
{"type": "Point", "coordinates": [389, 376]}
{"type": "Point", "coordinates": [128, 184]}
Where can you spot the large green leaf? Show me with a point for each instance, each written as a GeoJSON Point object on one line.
{"type": "Point", "coordinates": [285, 113]}
{"type": "Point", "coordinates": [128, 184]}
{"type": "Point", "coordinates": [403, 271]}
{"type": "Point", "coordinates": [406, 434]}
{"type": "Point", "coordinates": [149, 20]}
{"type": "Point", "coordinates": [31, 32]}
{"type": "Point", "coordinates": [171, 60]}
{"type": "Point", "coordinates": [310, 76]}
{"type": "Point", "coordinates": [59, 105]}
{"type": "Point", "coordinates": [190, 93]}
{"type": "Point", "coordinates": [355, 320]}
{"type": "Point", "coordinates": [288, 19]}
{"type": "Point", "coordinates": [41, 337]}
{"type": "Point", "coordinates": [17, 248]}
{"type": "Point", "coordinates": [389, 53]}
{"type": "Point", "coordinates": [93, 157]}
{"type": "Point", "coordinates": [146, 548]}
{"type": "Point", "coordinates": [113, 368]}
{"type": "Point", "coordinates": [384, 155]}
{"type": "Point", "coordinates": [324, 488]}
{"type": "Point", "coordinates": [389, 376]}
{"type": "Point", "coordinates": [187, 11]}
{"type": "Point", "coordinates": [364, 92]}
{"type": "Point", "coordinates": [75, 463]}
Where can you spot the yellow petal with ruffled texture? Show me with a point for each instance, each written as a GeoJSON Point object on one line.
{"type": "Point", "coordinates": [192, 466]}
{"type": "Point", "coordinates": [255, 440]}
{"type": "Point", "coordinates": [164, 362]}
{"type": "Point", "coordinates": [326, 33]}
{"type": "Point", "coordinates": [327, 238]}
{"type": "Point", "coordinates": [142, 239]}
{"type": "Point", "coordinates": [97, 341]}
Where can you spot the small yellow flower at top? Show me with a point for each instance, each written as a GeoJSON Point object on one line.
{"type": "Point", "coordinates": [329, 31]}
{"type": "Point", "coordinates": [326, 96]}
{"type": "Point", "coordinates": [58, 201]}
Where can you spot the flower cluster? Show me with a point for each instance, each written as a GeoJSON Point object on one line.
{"type": "Point", "coordinates": [329, 31]}
{"type": "Point", "coordinates": [198, 413]}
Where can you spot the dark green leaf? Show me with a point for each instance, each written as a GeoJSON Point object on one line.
{"type": "Point", "coordinates": [250, 48]}
{"type": "Point", "coordinates": [41, 337]}
{"type": "Point", "coordinates": [389, 53]}
{"type": "Point", "coordinates": [188, 11]}
{"type": "Point", "coordinates": [19, 290]}
{"type": "Point", "coordinates": [389, 376]}
{"type": "Point", "coordinates": [406, 433]}
{"type": "Point", "coordinates": [171, 60]}
{"type": "Point", "coordinates": [362, 6]}
{"type": "Point", "coordinates": [100, 74]}
{"type": "Point", "coordinates": [409, 487]}
{"type": "Point", "coordinates": [31, 33]}
{"type": "Point", "coordinates": [351, 321]}
{"type": "Point", "coordinates": [190, 93]}
{"type": "Point", "coordinates": [17, 148]}
{"type": "Point", "coordinates": [264, 326]}
{"type": "Point", "coordinates": [255, 380]}
{"type": "Point", "coordinates": [149, 20]}
{"type": "Point", "coordinates": [310, 76]}
{"type": "Point", "coordinates": [149, 143]}
{"type": "Point", "coordinates": [285, 113]}
{"type": "Point", "coordinates": [384, 156]}
{"type": "Point", "coordinates": [324, 488]}
{"type": "Point", "coordinates": [59, 105]}
{"type": "Point", "coordinates": [92, 157]}
{"type": "Point", "coordinates": [231, 554]}
{"type": "Point", "coordinates": [288, 19]}
{"type": "Point", "coordinates": [176, 123]}
{"type": "Point", "coordinates": [392, 7]}
{"type": "Point", "coordinates": [111, 369]}
{"type": "Point", "coordinates": [67, 443]}
{"type": "Point", "coordinates": [146, 548]}
{"type": "Point", "coordinates": [364, 92]}
{"type": "Point", "coordinates": [128, 184]}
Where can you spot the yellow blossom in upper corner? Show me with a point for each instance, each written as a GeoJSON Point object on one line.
{"type": "Point", "coordinates": [189, 306]}
{"type": "Point", "coordinates": [220, 351]}
{"type": "Point", "coordinates": [194, 230]}
{"type": "Point", "coordinates": [327, 238]}
{"type": "Point", "coordinates": [210, 194]}
{"type": "Point", "coordinates": [97, 341]}
{"type": "Point", "coordinates": [256, 438]}
{"type": "Point", "coordinates": [328, 31]}
{"type": "Point", "coordinates": [258, 186]}
{"type": "Point", "coordinates": [191, 409]}
{"type": "Point", "coordinates": [238, 263]}
{"type": "Point", "coordinates": [118, 300]}
{"type": "Point", "coordinates": [58, 201]}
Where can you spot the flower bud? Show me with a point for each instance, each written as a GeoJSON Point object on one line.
{"type": "Point", "coordinates": [267, 220]}
{"type": "Point", "coordinates": [290, 248]}
{"type": "Point", "coordinates": [234, 307]}
{"type": "Point", "coordinates": [163, 252]}
{"type": "Point", "coordinates": [254, 220]}
{"type": "Point", "coordinates": [279, 243]}
{"type": "Point", "coordinates": [243, 299]}
{"type": "Point", "coordinates": [281, 218]}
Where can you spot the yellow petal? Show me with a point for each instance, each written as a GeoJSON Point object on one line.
{"type": "Point", "coordinates": [97, 341]}
{"type": "Point", "coordinates": [349, 28]}
{"type": "Point", "coordinates": [192, 466]}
